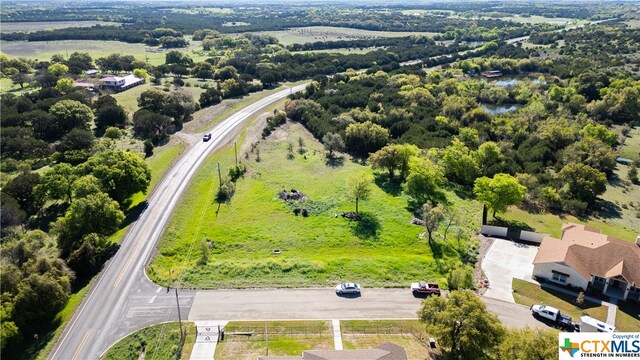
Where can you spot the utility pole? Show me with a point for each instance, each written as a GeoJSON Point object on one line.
{"type": "Point", "coordinates": [179, 318]}
{"type": "Point", "coordinates": [235, 150]}
{"type": "Point", "coordinates": [219, 175]}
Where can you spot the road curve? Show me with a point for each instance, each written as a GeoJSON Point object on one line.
{"type": "Point", "coordinates": [84, 337]}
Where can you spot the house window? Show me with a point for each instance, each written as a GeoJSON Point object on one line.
{"type": "Point", "coordinates": [561, 278]}
{"type": "Point", "coordinates": [599, 279]}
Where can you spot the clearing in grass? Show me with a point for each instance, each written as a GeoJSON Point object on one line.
{"type": "Point", "coordinates": [233, 246]}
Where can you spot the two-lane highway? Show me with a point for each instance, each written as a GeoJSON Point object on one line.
{"type": "Point", "coordinates": [104, 306]}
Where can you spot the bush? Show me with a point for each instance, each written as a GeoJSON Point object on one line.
{"type": "Point", "coordinates": [460, 278]}
{"type": "Point", "coordinates": [225, 192]}
{"type": "Point", "coordinates": [113, 133]}
{"type": "Point", "coordinates": [148, 148]}
{"type": "Point", "coordinates": [235, 172]}
{"type": "Point", "coordinates": [574, 206]}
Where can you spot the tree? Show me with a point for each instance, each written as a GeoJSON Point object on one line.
{"type": "Point", "coordinates": [96, 213]}
{"type": "Point", "coordinates": [459, 162]}
{"type": "Point", "coordinates": [39, 299]}
{"type": "Point", "coordinates": [431, 215]}
{"type": "Point", "coordinates": [153, 100]}
{"type": "Point", "coordinates": [56, 184]}
{"type": "Point", "coordinates": [209, 97]}
{"type": "Point", "coordinates": [121, 173]}
{"type": "Point", "coordinates": [462, 325]}
{"type": "Point", "coordinates": [21, 78]}
{"type": "Point", "coordinates": [593, 152]}
{"type": "Point", "coordinates": [79, 62]}
{"type": "Point", "coordinates": [85, 186]}
{"type": "Point", "coordinates": [499, 192]}
{"type": "Point", "coordinates": [364, 138]}
{"type": "Point", "coordinates": [141, 73]}
{"type": "Point", "coordinates": [11, 213]}
{"type": "Point", "coordinates": [359, 187]}
{"type": "Point", "coordinates": [226, 73]}
{"type": "Point", "coordinates": [424, 181]}
{"type": "Point", "coordinates": [333, 142]}
{"type": "Point", "coordinates": [582, 182]}
{"type": "Point", "coordinates": [57, 69]}
{"type": "Point", "coordinates": [150, 125]}
{"type": "Point", "coordinates": [76, 139]}
{"type": "Point", "coordinates": [64, 85]}
{"type": "Point", "coordinates": [392, 157]}
{"type": "Point", "coordinates": [69, 114]}
{"type": "Point", "coordinates": [113, 115]}
{"type": "Point", "coordinates": [528, 344]}
{"type": "Point", "coordinates": [21, 189]}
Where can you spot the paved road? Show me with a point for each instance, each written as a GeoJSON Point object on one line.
{"type": "Point", "coordinates": [323, 304]}
{"type": "Point", "coordinates": [121, 283]}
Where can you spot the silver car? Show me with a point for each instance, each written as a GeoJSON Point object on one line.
{"type": "Point", "coordinates": [348, 288]}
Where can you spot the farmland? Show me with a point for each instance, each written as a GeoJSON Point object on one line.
{"type": "Point", "coordinates": [328, 33]}
{"type": "Point", "coordinates": [9, 27]}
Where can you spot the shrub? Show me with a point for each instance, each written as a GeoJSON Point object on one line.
{"type": "Point", "coordinates": [460, 278]}
{"type": "Point", "coordinates": [235, 172]}
{"type": "Point", "coordinates": [148, 148]}
{"type": "Point", "coordinates": [113, 132]}
{"type": "Point", "coordinates": [225, 192]}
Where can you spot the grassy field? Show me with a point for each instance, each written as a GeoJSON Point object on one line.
{"type": "Point", "coordinates": [528, 294]}
{"type": "Point", "coordinates": [622, 202]}
{"type": "Point", "coordinates": [33, 26]}
{"type": "Point", "coordinates": [340, 51]}
{"type": "Point", "coordinates": [631, 147]}
{"type": "Point", "coordinates": [154, 342]}
{"type": "Point", "coordinates": [284, 338]}
{"type": "Point", "coordinates": [549, 223]}
{"type": "Point", "coordinates": [319, 250]}
{"type": "Point", "coordinates": [328, 33]}
{"type": "Point", "coordinates": [43, 50]}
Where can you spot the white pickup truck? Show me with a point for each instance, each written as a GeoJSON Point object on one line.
{"type": "Point", "coordinates": [553, 314]}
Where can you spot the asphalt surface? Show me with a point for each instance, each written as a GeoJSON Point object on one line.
{"type": "Point", "coordinates": [119, 293]}
{"type": "Point", "coordinates": [324, 304]}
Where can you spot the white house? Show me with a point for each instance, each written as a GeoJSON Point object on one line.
{"type": "Point", "coordinates": [118, 83]}
{"type": "Point", "coordinates": [586, 258]}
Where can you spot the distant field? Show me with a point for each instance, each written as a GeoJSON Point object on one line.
{"type": "Point", "coordinates": [631, 147]}
{"type": "Point", "coordinates": [43, 50]}
{"type": "Point", "coordinates": [10, 27]}
{"type": "Point", "coordinates": [341, 51]}
{"type": "Point", "coordinates": [634, 24]}
{"type": "Point", "coordinates": [328, 33]}
{"type": "Point", "coordinates": [236, 23]}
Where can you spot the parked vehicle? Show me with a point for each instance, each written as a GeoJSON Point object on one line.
{"type": "Point", "coordinates": [206, 137]}
{"type": "Point", "coordinates": [589, 324]}
{"type": "Point", "coordinates": [423, 288]}
{"type": "Point", "coordinates": [553, 314]}
{"type": "Point", "coordinates": [348, 288]}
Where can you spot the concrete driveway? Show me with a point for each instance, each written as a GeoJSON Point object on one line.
{"type": "Point", "coordinates": [504, 261]}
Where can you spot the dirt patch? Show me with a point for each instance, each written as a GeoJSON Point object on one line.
{"type": "Point", "coordinates": [203, 117]}
{"type": "Point", "coordinates": [254, 132]}
{"type": "Point", "coordinates": [479, 278]}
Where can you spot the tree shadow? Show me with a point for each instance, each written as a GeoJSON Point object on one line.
{"type": "Point", "coordinates": [513, 225]}
{"type": "Point", "coordinates": [134, 213]}
{"type": "Point", "coordinates": [47, 216]}
{"type": "Point", "coordinates": [390, 186]}
{"type": "Point", "coordinates": [367, 226]}
{"type": "Point", "coordinates": [462, 192]}
{"type": "Point", "coordinates": [608, 210]}
{"type": "Point", "coordinates": [335, 162]}
{"type": "Point", "coordinates": [615, 181]}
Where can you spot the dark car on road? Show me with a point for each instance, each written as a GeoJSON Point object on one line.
{"type": "Point", "coordinates": [206, 137]}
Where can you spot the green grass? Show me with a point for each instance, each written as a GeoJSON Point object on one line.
{"type": "Point", "coordinates": [528, 294]}
{"type": "Point", "coordinates": [381, 326]}
{"type": "Point", "coordinates": [628, 317]}
{"type": "Point", "coordinates": [548, 223]}
{"type": "Point", "coordinates": [307, 34]}
{"type": "Point", "coordinates": [319, 250]}
{"type": "Point", "coordinates": [631, 147]}
{"type": "Point", "coordinates": [284, 338]}
{"type": "Point", "coordinates": [158, 341]}
{"type": "Point", "coordinates": [43, 50]}
{"type": "Point", "coordinates": [33, 26]}
{"type": "Point", "coordinates": [340, 51]}
{"type": "Point", "coordinates": [622, 202]}
{"type": "Point", "coordinates": [129, 99]}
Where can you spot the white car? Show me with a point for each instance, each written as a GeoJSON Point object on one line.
{"type": "Point", "coordinates": [348, 288]}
